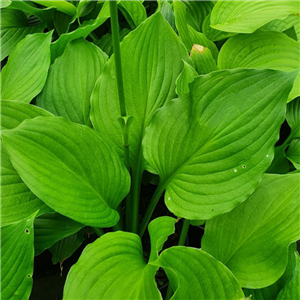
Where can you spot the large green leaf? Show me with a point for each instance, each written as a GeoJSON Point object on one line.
{"type": "Point", "coordinates": [112, 267]}
{"type": "Point", "coordinates": [187, 33]}
{"type": "Point", "coordinates": [149, 74]}
{"type": "Point", "coordinates": [14, 27]}
{"type": "Point", "coordinates": [247, 16]}
{"type": "Point", "coordinates": [134, 12]}
{"type": "Point", "coordinates": [262, 49]}
{"type": "Point", "coordinates": [293, 153]}
{"type": "Point", "coordinates": [212, 147]}
{"type": "Point", "coordinates": [58, 47]}
{"type": "Point", "coordinates": [68, 89]}
{"type": "Point", "coordinates": [61, 5]}
{"type": "Point", "coordinates": [17, 201]}
{"type": "Point", "coordinates": [17, 255]}
{"type": "Point", "coordinates": [253, 239]}
{"type": "Point", "coordinates": [70, 168]}
{"type": "Point", "coordinates": [271, 292]}
{"type": "Point", "coordinates": [25, 73]}
{"type": "Point", "coordinates": [195, 275]}
{"type": "Point", "coordinates": [50, 228]}
{"type": "Point", "coordinates": [291, 289]}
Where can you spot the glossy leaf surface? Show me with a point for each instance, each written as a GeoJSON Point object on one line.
{"type": "Point", "coordinates": [17, 255]}
{"type": "Point", "coordinates": [247, 16]}
{"type": "Point", "coordinates": [17, 201]}
{"type": "Point", "coordinates": [149, 74]}
{"type": "Point", "coordinates": [211, 148]}
{"type": "Point", "coordinates": [68, 88]}
{"type": "Point", "coordinates": [112, 267]}
{"type": "Point", "coordinates": [50, 228]}
{"type": "Point", "coordinates": [262, 50]}
{"type": "Point", "coordinates": [25, 73]}
{"type": "Point", "coordinates": [253, 244]}
{"type": "Point", "coordinates": [196, 275]}
{"type": "Point", "coordinates": [70, 168]}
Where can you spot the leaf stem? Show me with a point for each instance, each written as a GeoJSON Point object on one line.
{"type": "Point", "coordinates": [99, 231]}
{"type": "Point", "coordinates": [182, 238]}
{"type": "Point", "coordinates": [154, 200]}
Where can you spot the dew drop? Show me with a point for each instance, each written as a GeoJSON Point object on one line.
{"type": "Point", "coordinates": [169, 198]}
{"type": "Point", "coordinates": [244, 167]}
{"type": "Point", "coordinates": [28, 220]}
{"type": "Point", "coordinates": [235, 170]}
{"type": "Point", "coordinates": [27, 231]}
{"type": "Point", "coordinates": [267, 155]}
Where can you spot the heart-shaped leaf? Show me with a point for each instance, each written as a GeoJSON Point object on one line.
{"type": "Point", "coordinates": [262, 49]}
{"type": "Point", "coordinates": [25, 73]}
{"type": "Point", "coordinates": [70, 167]}
{"type": "Point", "coordinates": [195, 275]}
{"type": "Point", "coordinates": [17, 201]}
{"type": "Point", "coordinates": [212, 147]}
{"type": "Point", "coordinates": [68, 89]}
{"type": "Point", "coordinates": [247, 16]}
{"type": "Point", "coordinates": [253, 239]}
{"type": "Point", "coordinates": [149, 74]}
{"type": "Point", "coordinates": [17, 255]}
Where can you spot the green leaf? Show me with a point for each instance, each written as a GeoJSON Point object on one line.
{"type": "Point", "coordinates": [85, 7]}
{"type": "Point", "coordinates": [25, 73]}
{"type": "Point", "coordinates": [66, 247]}
{"type": "Point", "coordinates": [271, 292]}
{"type": "Point", "coordinates": [293, 153]}
{"type": "Point", "coordinates": [167, 12]}
{"type": "Point", "coordinates": [188, 34]}
{"type": "Point", "coordinates": [4, 3]}
{"type": "Point", "coordinates": [61, 22]}
{"type": "Point", "coordinates": [159, 230]}
{"type": "Point", "coordinates": [196, 12]}
{"type": "Point", "coordinates": [279, 165]}
{"type": "Point", "coordinates": [50, 228]}
{"type": "Point", "coordinates": [58, 47]}
{"type": "Point", "coordinates": [293, 118]}
{"type": "Point", "coordinates": [69, 167]}
{"type": "Point", "coordinates": [262, 50]}
{"type": "Point", "coordinates": [61, 5]}
{"type": "Point", "coordinates": [203, 60]}
{"type": "Point", "coordinates": [17, 201]}
{"type": "Point", "coordinates": [291, 289]}
{"type": "Point", "coordinates": [133, 11]}
{"type": "Point", "coordinates": [17, 255]}
{"type": "Point", "coordinates": [247, 16]}
{"type": "Point", "coordinates": [149, 74]}
{"type": "Point", "coordinates": [113, 267]}
{"type": "Point", "coordinates": [195, 275]}
{"type": "Point", "coordinates": [184, 79]}
{"type": "Point", "coordinates": [68, 89]}
{"type": "Point", "coordinates": [14, 27]}
{"type": "Point", "coordinates": [282, 25]}
{"type": "Point", "coordinates": [253, 239]}
{"type": "Point", "coordinates": [212, 147]}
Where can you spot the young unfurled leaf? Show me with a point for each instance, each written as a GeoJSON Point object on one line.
{"type": "Point", "coordinates": [15, 27]}
{"type": "Point", "coordinates": [17, 201]}
{"type": "Point", "coordinates": [70, 167]}
{"type": "Point", "coordinates": [150, 68]}
{"type": "Point", "coordinates": [188, 34]}
{"type": "Point", "coordinates": [25, 73]}
{"type": "Point", "coordinates": [262, 49]}
{"type": "Point", "coordinates": [252, 240]}
{"type": "Point", "coordinates": [195, 275]}
{"type": "Point", "coordinates": [247, 16]}
{"type": "Point", "coordinates": [212, 147]}
{"type": "Point", "coordinates": [50, 228]}
{"type": "Point", "coordinates": [17, 259]}
{"type": "Point", "coordinates": [68, 88]}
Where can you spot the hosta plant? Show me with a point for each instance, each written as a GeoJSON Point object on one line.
{"type": "Point", "coordinates": [186, 101]}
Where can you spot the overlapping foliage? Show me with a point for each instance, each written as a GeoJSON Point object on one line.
{"type": "Point", "coordinates": [205, 90]}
